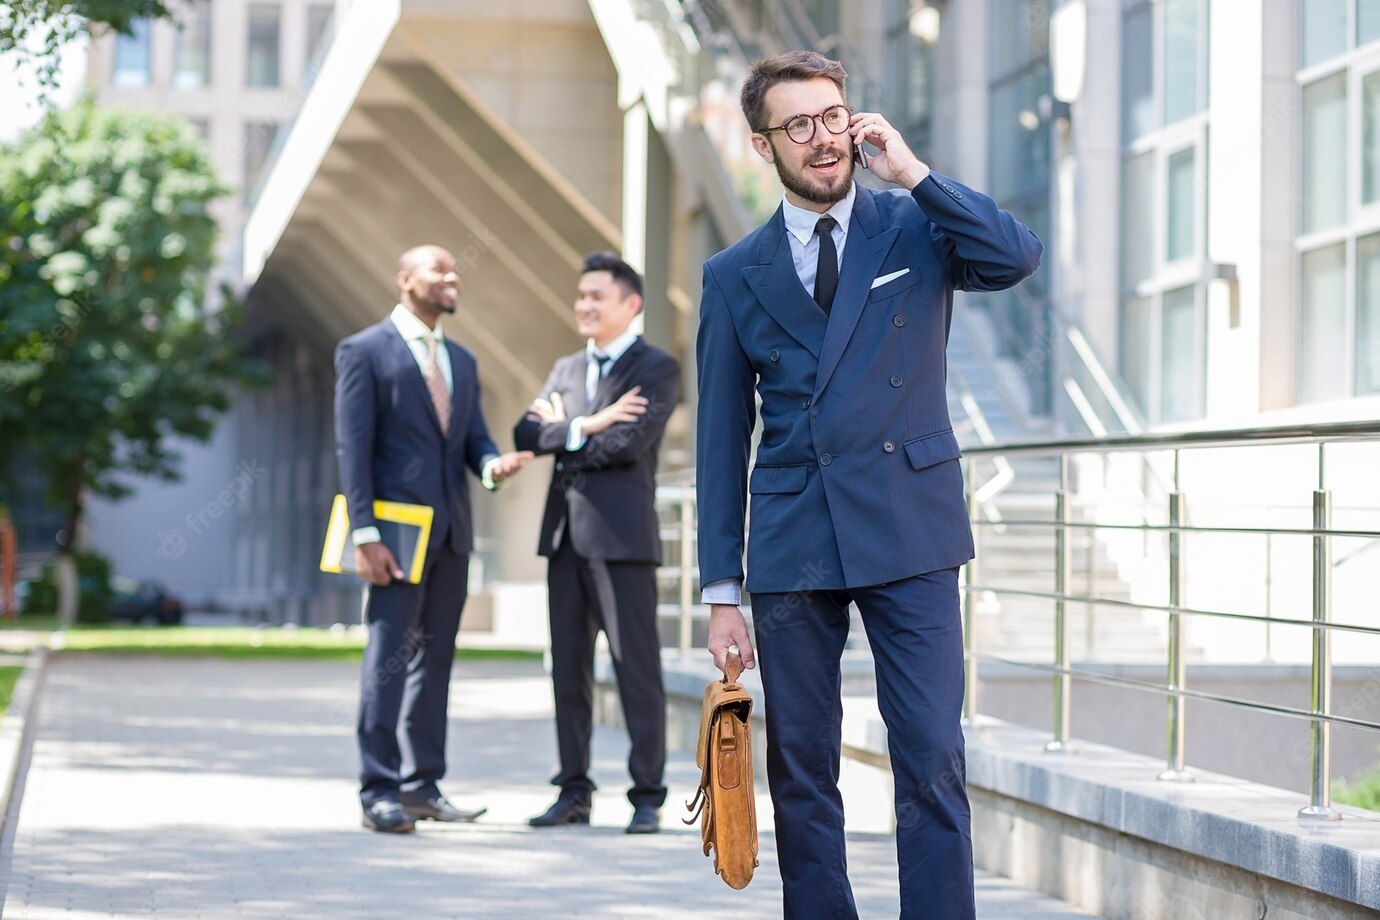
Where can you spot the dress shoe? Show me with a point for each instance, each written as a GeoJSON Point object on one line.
{"type": "Point", "coordinates": [646, 819]}
{"type": "Point", "coordinates": [568, 809]}
{"type": "Point", "coordinates": [436, 808]}
{"type": "Point", "coordinates": [387, 815]}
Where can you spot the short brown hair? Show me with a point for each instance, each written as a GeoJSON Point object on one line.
{"type": "Point", "coordinates": [788, 67]}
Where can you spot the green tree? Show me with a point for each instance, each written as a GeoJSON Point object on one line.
{"type": "Point", "coordinates": [108, 348]}
{"type": "Point", "coordinates": [32, 31]}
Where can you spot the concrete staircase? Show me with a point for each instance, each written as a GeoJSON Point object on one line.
{"type": "Point", "coordinates": [1022, 558]}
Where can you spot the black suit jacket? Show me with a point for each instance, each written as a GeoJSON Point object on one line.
{"type": "Point", "coordinates": [602, 496]}
{"type": "Point", "coordinates": [388, 437]}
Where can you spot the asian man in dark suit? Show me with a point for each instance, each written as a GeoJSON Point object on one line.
{"type": "Point", "coordinates": [836, 312]}
{"type": "Point", "coordinates": [408, 424]}
{"type": "Point", "coordinates": [601, 414]}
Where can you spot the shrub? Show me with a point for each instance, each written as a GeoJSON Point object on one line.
{"type": "Point", "coordinates": [93, 574]}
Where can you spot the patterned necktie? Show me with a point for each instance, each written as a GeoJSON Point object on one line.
{"type": "Point", "coordinates": [436, 386]}
{"type": "Point", "coordinates": [827, 272]}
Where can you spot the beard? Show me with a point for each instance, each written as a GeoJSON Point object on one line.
{"type": "Point", "coordinates": [827, 192]}
{"type": "Point", "coordinates": [435, 301]}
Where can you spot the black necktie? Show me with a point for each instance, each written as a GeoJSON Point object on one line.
{"type": "Point", "coordinates": [597, 374]}
{"type": "Point", "coordinates": [827, 272]}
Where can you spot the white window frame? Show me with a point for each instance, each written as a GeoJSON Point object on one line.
{"type": "Point", "coordinates": [1162, 143]}
{"type": "Point", "coordinates": [1362, 220]}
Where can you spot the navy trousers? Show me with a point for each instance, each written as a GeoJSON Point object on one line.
{"type": "Point", "coordinates": [916, 636]}
{"type": "Point", "coordinates": [406, 677]}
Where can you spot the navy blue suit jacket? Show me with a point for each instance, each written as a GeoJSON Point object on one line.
{"type": "Point", "coordinates": [388, 437]}
{"type": "Point", "coordinates": [857, 480]}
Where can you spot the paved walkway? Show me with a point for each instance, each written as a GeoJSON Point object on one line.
{"type": "Point", "coordinates": [216, 789]}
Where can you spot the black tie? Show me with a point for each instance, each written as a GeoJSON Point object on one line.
{"type": "Point", "coordinates": [601, 361]}
{"type": "Point", "coordinates": [827, 272]}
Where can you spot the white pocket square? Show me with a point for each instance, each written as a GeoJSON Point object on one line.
{"type": "Point", "coordinates": [891, 277]}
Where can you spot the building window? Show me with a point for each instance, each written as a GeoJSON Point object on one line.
{"type": "Point", "coordinates": [259, 140]}
{"type": "Point", "coordinates": [1324, 153]}
{"type": "Point", "coordinates": [133, 55]}
{"type": "Point", "coordinates": [1323, 324]}
{"type": "Point", "coordinates": [910, 38]}
{"type": "Point", "coordinates": [1019, 179]}
{"type": "Point", "coordinates": [264, 37]}
{"type": "Point", "coordinates": [1164, 134]}
{"type": "Point", "coordinates": [320, 31]}
{"type": "Point", "coordinates": [1323, 29]}
{"type": "Point", "coordinates": [201, 127]}
{"type": "Point", "coordinates": [192, 60]}
{"type": "Point", "coordinates": [1338, 319]}
{"type": "Point", "coordinates": [1368, 314]}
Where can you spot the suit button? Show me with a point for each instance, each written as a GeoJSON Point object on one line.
{"type": "Point", "coordinates": [805, 404]}
{"type": "Point", "coordinates": [895, 380]}
{"type": "Point", "coordinates": [775, 355]}
{"type": "Point", "coordinates": [825, 460]}
{"type": "Point", "coordinates": [559, 466]}
{"type": "Point", "coordinates": [898, 320]}
{"type": "Point", "coordinates": [888, 447]}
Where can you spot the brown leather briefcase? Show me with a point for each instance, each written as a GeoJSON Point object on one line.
{"type": "Point", "coordinates": [724, 804]}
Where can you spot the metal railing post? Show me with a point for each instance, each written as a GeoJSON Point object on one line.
{"type": "Point", "coordinates": [687, 550]}
{"type": "Point", "coordinates": [1063, 575]}
{"type": "Point", "coordinates": [1176, 770]}
{"type": "Point", "coordinates": [1319, 807]}
{"type": "Point", "coordinates": [970, 578]}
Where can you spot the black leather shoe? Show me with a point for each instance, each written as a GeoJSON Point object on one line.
{"type": "Point", "coordinates": [646, 819]}
{"type": "Point", "coordinates": [388, 816]}
{"type": "Point", "coordinates": [436, 808]}
{"type": "Point", "coordinates": [568, 809]}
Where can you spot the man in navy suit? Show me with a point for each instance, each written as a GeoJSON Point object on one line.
{"type": "Point", "coordinates": [836, 311]}
{"type": "Point", "coordinates": [407, 425]}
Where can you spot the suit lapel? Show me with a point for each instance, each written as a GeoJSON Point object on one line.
{"type": "Point", "coordinates": [413, 375]}
{"type": "Point", "coordinates": [863, 252]}
{"type": "Point", "coordinates": [613, 384]}
{"type": "Point", "coordinates": [780, 292]}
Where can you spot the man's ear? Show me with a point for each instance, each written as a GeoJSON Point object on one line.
{"type": "Point", "coordinates": [402, 279]}
{"type": "Point", "coordinates": [763, 148]}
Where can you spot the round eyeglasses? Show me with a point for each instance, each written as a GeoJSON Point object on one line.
{"type": "Point", "coordinates": [801, 128]}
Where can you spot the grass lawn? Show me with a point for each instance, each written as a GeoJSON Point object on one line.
{"type": "Point", "coordinates": [247, 642]}
{"type": "Point", "coordinates": [36, 622]}
{"type": "Point", "coordinates": [9, 676]}
{"type": "Point", "coordinates": [1364, 793]}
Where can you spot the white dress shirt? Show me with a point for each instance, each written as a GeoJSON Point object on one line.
{"type": "Point", "coordinates": [800, 227]}
{"type": "Point", "coordinates": [575, 436]}
{"type": "Point", "coordinates": [415, 333]}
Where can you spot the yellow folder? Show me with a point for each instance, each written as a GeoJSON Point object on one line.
{"type": "Point", "coordinates": [405, 530]}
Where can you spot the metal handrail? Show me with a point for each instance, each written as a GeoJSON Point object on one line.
{"type": "Point", "coordinates": [1321, 624]}
{"type": "Point", "coordinates": [678, 488]}
{"type": "Point", "coordinates": [1280, 435]}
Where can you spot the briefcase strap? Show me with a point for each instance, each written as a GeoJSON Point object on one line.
{"type": "Point", "coordinates": [733, 666]}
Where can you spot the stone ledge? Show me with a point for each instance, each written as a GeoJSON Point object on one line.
{"type": "Point", "coordinates": [1221, 818]}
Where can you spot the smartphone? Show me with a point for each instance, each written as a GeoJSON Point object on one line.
{"type": "Point", "coordinates": [859, 155]}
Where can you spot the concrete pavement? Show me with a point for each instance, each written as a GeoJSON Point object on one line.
{"type": "Point", "coordinates": [163, 787]}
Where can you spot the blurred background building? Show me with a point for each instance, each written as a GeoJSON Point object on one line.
{"type": "Point", "coordinates": [1204, 174]}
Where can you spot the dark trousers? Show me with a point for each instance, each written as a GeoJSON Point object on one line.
{"type": "Point", "coordinates": [916, 636]}
{"type": "Point", "coordinates": [587, 595]}
{"type": "Point", "coordinates": [406, 675]}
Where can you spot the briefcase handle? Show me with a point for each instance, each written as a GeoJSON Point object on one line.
{"type": "Point", "coordinates": [733, 665]}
